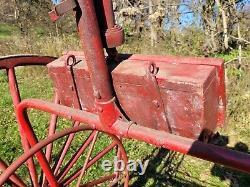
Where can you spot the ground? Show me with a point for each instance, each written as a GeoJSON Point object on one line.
{"type": "Point", "coordinates": [166, 168]}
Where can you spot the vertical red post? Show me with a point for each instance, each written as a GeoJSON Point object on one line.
{"type": "Point", "coordinates": [109, 13]}
{"type": "Point", "coordinates": [110, 23]}
{"type": "Point", "coordinates": [93, 49]}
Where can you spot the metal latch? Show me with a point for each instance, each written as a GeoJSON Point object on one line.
{"type": "Point", "coordinates": [152, 86]}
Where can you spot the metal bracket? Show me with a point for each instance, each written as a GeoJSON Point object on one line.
{"type": "Point", "coordinates": [108, 112]}
{"type": "Point", "coordinates": [157, 103]}
{"type": "Point", "coordinates": [62, 8]}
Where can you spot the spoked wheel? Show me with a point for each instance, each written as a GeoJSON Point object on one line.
{"type": "Point", "coordinates": [73, 165]}
{"type": "Point", "coordinates": [71, 157]}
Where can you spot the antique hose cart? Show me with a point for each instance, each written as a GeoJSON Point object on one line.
{"type": "Point", "coordinates": [175, 103]}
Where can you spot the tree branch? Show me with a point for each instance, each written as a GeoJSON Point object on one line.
{"type": "Point", "coordinates": [240, 39]}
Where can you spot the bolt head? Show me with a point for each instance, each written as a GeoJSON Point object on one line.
{"type": "Point", "coordinates": [156, 103]}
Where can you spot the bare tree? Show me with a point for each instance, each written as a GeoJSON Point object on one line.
{"type": "Point", "coordinates": [222, 9]}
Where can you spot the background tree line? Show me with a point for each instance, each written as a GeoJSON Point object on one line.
{"type": "Point", "coordinates": [219, 25]}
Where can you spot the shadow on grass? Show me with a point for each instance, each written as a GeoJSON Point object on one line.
{"type": "Point", "coordinates": [162, 170]}
{"type": "Point", "coordinates": [235, 178]}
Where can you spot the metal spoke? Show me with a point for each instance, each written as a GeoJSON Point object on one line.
{"type": "Point", "coordinates": [87, 160]}
{"type": "Point", "coordinates": [99, 181]}
{"type": "Point", "coordinates": [13, 178]}
{"type": "Point", "coordinates": [51, 131]}
{"type": "Point", "coordinates": [101, 154]}
{"type": "Point", "coordinates": [64, 151]}
{"type": "Point", "coordinates": [91, 162]}
{"type": "Point", "coordinates": [15, 95]}
{"type": "Point", "coordinates": [76, 156]}
{"type": "Point", "coordinates": [36, 149]}
{"type": "Point", "coordinates": [119, 156]}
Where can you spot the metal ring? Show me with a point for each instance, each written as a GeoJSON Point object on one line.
{"type": "Point", "coordinates": [71, 61]}
{"type": "Point", "coordinates": [152, 68]}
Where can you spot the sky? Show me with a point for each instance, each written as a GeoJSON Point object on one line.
{"type": "Point", "coordinates": [188, 18]}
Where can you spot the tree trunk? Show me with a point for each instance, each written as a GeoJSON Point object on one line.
{"type": "Point", "coordinates": [153, 35]}
{"type": "Point", "coordinates": [239, 35]}
{"type": "Point", "coordinates": [225, 23]}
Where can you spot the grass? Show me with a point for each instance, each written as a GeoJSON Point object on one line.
{"type": "Point", "coordinates": [6, 31]}
{"type": "Point", "coordinates": [166, 168]}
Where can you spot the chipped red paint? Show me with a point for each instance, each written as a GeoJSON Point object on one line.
{"type": "Point", "coordinates": [182, 99]}
{"type": "Point", "coordinates": [187, 91]}
{"type": "Point", "coordinates": [218, 63]}
{"type": "Point", "coordinates": [166, 101]}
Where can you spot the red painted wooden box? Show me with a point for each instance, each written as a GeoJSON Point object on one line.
{"type": "Point", "coordinates": [73, 86]}
{"type": "Point", "coordinates": [185, 96]}
{"type": "Point", "coordinates": [189, 95]}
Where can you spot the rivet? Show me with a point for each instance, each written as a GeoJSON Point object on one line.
{"type": "Point", "coordinates": [100, 109]}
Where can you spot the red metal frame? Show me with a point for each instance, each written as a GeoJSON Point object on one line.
{"type": "Point", "coordinates": [94, 37]}
{"type": "Point", "coordinates": [213, 153]}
